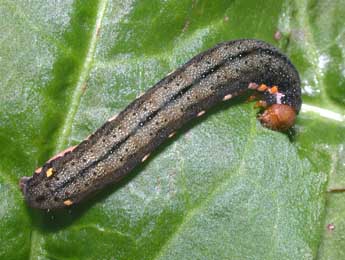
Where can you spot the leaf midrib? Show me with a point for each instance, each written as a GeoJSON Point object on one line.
{"type": "Point", "coordinates": [84, 73]}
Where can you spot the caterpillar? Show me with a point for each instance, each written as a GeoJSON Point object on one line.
{"type": "Point", "coordinates": [229, 69]}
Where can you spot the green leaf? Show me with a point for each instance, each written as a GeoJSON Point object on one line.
{"type": "Point", "coordinates": [224, 187]}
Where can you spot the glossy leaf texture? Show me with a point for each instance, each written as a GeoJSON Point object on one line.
{"type": "Point", "coordinates": [224, 187]}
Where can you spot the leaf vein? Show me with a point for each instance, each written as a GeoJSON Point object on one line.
{"type": "Point", "coordinates": [76, 97]}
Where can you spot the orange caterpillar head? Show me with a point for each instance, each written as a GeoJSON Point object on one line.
{"type": "Point", "coordinates": [278, 117]}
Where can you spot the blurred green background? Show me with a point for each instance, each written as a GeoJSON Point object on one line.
{"type": "Point", "coordinates": [225, 187]}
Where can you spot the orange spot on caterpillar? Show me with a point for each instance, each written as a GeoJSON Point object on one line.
{"type": "Point", "coordinates": [201, 113]}
{"type": "Point", "coordinates": [60, 154]}
{"type": "Point", "coordinates": [262, 87]}
{"type": "Point", "coordinates": [227, 97]}
{"type": "Point", "coordinates": [111, 119]}
{"type": "Point", "coordinates": [172, 134]}
{"type": "Point", "coordinates": [49, 172]}
{"type": "Point", "coordinates": [260, 104]}
{"type": "Point", "coordinates": [273, 90]}
{"type": "Point", "coordinates": [145, 157]}
{"type": "Point", "coordinates": [38, 170]}
{"type": "Point", "coordinates": [253, 85]}
{"type": "Point", "coordinates": [68, 202]}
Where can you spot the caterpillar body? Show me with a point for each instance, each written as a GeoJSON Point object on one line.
{"type": "Point", "coordinates": [216, 75]}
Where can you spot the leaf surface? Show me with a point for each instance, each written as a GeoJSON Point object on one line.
{"type": "Point", "coordinates": [224, 187]}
